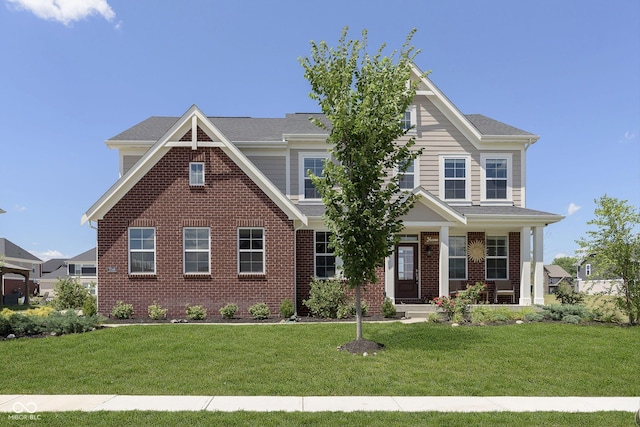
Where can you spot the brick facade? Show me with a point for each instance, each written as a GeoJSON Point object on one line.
{"type": "Point", "coordinates": [163, 199]}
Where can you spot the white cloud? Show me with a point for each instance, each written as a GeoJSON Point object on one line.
{"type": "Point", "coordinates": [47, 255]}
{"type": "Point", "coordinates": [66, 11]}
{"type": "Point", "coordinates": [573, 208]}
{"type": "Point", "coordinates": [20, 208]}
{"type": "Point", "coordinates": [628, 137]}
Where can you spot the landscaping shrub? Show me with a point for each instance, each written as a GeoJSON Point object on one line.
{"type": "Point", "coordinates": [25, 325]}
{"type": "Point", "coordinates": [559, 312]}
{"type": "Point", "coordinates": [433, 318]}
{"type": "Point", "coordinates": [286, 309]}
{"type": "Point", "coordinates": [69, 294]}
{"type": "Point", "coordinates": [122, 311]}
{"type": "Point", "coordinates": [196, 312]}
{"type": "Point", "coordinates": [229, 310]}
{"type": "Point", "coordinates": [90, 306]}
{"type": "Point", "coordinates": [568, 296]}
{"type": "Point", "coordinates": [70, 323]}
{"type": "Point", "coordinates": [5, 326]}
{"type": "Point", "coordinates": [457, 307]}
{"type": "Point", "coordinates": [259, 311]}
{"type": "Point", "coordinates": [572, 318]}
{"type": "Point", "coordinates": [156, 312]}
{"type": "Point", "coordinates": [388, 309]}
{"type": "Point", "coordinates": [347, 311]}
{"type": "Point", "coordinates": [489, 314]}
{"type": "Point", "coordinates": [533, 317]}
{"type": "Point", "coordinates": [605, 310]}
{"type": "Point", "coordinates": [325, 298]}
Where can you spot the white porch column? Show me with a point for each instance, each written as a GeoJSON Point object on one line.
{"type": "Point", "coordinates": [525, 266]}
{"type": "Point", "coordinates": [444, 261]}
{"type": "Point", "coordinates": [538, 266]}
{"type": "Point", "coordinates": [389, 278]}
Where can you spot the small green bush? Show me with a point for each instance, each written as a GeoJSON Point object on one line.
{"type": "Point", "coordinates": [568, 296]}
{"type": "Point", "coordinates": [156, 312]}
{"type": "Point", "coordinates": [572, 318]}
{"type": "Point", "coordinates": [196, 312]}
{"type": "Point", "coordinates": [325, 298]}
{"type": "Point", "coordinates": [229, 310]}
{"type": "Point", "coordinates": [259, 311]}
{"type": "Point", "coordinates": [69, 294]}
{"type": "Point", "coordinates": [122, 311]}
{"type": "Point", "coordinates": [388, 309]}
{"type": "Point", "coordinates": [25, 325]}
{"type": "Point", "coordinates": [347, 311]}
{"type": "Point", "coordinates": [70, 323]}
{"type": "Point", "coordinates": [90, 306]}
{"type": "Point", "coordinates": [559, 312]}
{"type": "Point", "coordinates": [533, 317]}
{"type": "Point", "coordinates": [5, 326]}
{"type": "Point", "coordinates": [434, 318]}
{"type": "Point", "coordinates": [286, 309]}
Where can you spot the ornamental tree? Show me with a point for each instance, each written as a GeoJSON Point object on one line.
{"type": "Point", "coordinates": [614, 248]}
{"type": "Point", "coordinates": [364, 99]}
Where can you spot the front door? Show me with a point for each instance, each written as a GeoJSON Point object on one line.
{"type": "Point", "coordinates": [406, 270]}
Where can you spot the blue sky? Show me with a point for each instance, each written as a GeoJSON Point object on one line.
{"type": "Point", "coordinates": [73, 74]}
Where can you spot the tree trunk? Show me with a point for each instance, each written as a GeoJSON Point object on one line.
{"type": "Point", "coordinates": [358, 314]}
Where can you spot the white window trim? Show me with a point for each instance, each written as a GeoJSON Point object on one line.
{"type": "Point", "coordinates": [302, 175]}
{"type": "Point", "coordinates": [467, 190]}
{"type": "Point", "coordinates": [466, 264]}
{"type": "Point", "coordinates": [506, 257]}
{"type": "Point", "coordinates": [315, 254]}
{"type": "Point", "coordinates": [483, 181]}
{"type": "Point", "coordinates": [155, 255]}
{"type": "Point", "coordinates": [416, 174]}
{"type": "Point", "coordinates": [263, 250]}
{"type": "Point", "coordinates": [184, 252]}
{"type": "Point", "coordinates": [413, 113]}
{"type": "Point", "coordinates": [191, 183]}
{"type": "Point", "coordinates": [587, 270]}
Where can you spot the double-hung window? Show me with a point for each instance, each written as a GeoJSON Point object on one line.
{"type": "Point", "coordinates": [311, 163]}
{"type": "Point", "coordinates": [497, 257]}
{"type": "Point", "coordinates": [455, 182]}
{"type": "Point", "coordinates": [457, 257]}
{"type": "Point", "coordinates": [496, 185]}
{"type": "Point", "coordinates": [142, 250]}
{"type": "Point", "coordinates": [196, 245]}
{"type": "Point", "coordinates": [196, 174]}
{"type": "Point", "coordinates": [251, 251]}
{"type": "Point", "coordinates": [409, 119]}
{"type": "Point", "coordinates": [407, 179]}
{"type": "Point", "coordinates": [325, 260]}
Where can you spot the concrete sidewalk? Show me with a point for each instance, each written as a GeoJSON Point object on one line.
{"type": "Point", "coordinates": [30, 404]}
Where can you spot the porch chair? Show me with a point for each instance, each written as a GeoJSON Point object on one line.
{"type": "Point", "coordinates": [456, 286]}
{"type": "Point", "coordinates": [504, 287]}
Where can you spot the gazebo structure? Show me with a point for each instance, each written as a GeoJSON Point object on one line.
{"type": "Point", "coordinates": [14, 269]}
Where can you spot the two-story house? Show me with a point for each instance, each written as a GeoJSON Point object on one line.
{"type": "Point", "coordinates": [213, 210]}
{"type": "Point", "coordinates": [82, 267]}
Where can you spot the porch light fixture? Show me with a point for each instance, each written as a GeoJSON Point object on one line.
{"type": "Point", "coordinates": [428, 250]}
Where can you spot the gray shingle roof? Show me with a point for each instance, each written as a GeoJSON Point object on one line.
{"type": "Point", "coordinates": [499, 211]}
{"type": "Point", "coordinates": [489, 126]}
{"type": "Point", "coordinates": [87, 256]}
{"type": "Point", "coordinates": [556, 271]}
{"type": "Point", "coordinates": [247, 129]}
{"type": "Point", "coordinates": [11, 250]}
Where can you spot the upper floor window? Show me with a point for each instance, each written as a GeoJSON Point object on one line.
{"type": "Point", "coordinates": [82, 270]}
{"type": "Point", "coordinates": [408, 178]}
{"type": "Point", "coordinates": [455, 182]}
{"type": "Point", "coordinates": [196, 173]}
{"type": "Point", "coordinates": [587, 270]}
{"type": "Point", "coordinates": [409, 119]}
{"type": "Point", "coordinates": [251, 251]}
{"type": "Point", "coordinates": [497, 180]}
{"type": "Point", "coordinates": [142, 250]}
{"type": "Point", "coordinates": [314, 163]}
{"type": "Point", "coordinates": [497, 257]}
{"type": "Point", "coordinates": [457, 257]}
{"type": "Point", "coordinates": [196, 246]}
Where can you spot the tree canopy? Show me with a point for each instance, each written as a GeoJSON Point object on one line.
{"type": "Point", "coordinates": [364, 98]}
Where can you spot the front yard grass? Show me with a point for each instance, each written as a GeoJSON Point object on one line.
{"type": "Point", "coordinates": [364, 419]}
{"type": "Point", "coordinates": [538, 359]}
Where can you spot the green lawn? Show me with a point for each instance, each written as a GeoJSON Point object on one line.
{"type": "Point", "coordinates": [541, 359]}
{"type": "Point", "coordinates": [364, 419]}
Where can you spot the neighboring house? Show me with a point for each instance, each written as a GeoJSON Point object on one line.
{"type": "Point", "coordinates": [217, 210]}
{"type": "Point", "coordinates": [554, 275]}
{"type": "Point", "coordinates": [21, 263]}
{"type": "Point", "coordinates": [591, 281]}
{"type": "Point", "coordinates": [82, 267]}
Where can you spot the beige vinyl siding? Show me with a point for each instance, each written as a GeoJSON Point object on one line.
{"type": "Point", "coordinates": [274, 168]}
{"type": "Point", "coordinates": [436, 135]}
{"type": "Point", "coordinates": [128, 161]}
